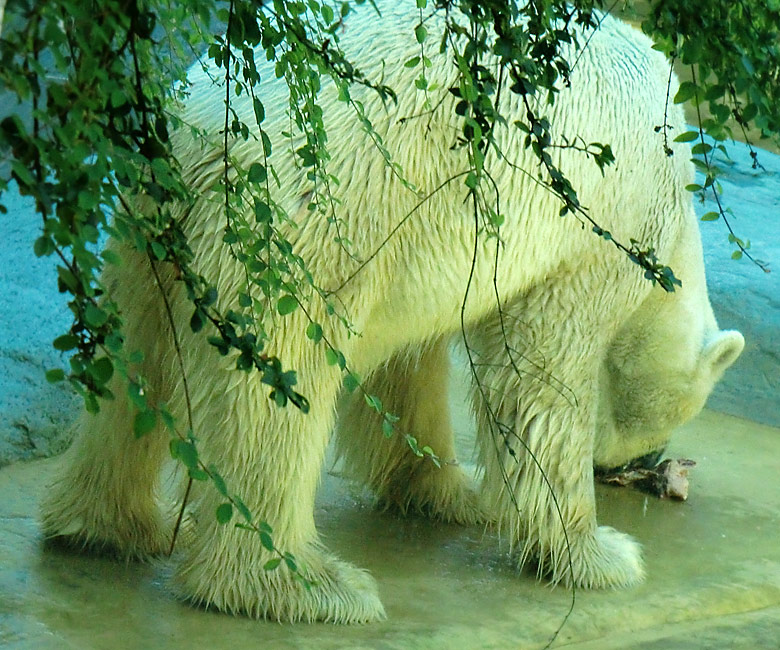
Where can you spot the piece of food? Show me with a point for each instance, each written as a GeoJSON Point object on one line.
{"type": "Point", "coordinates": [669, 478]}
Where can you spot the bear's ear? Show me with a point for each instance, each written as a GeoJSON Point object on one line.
{"type": "Point", "coordinates": [722, 350]}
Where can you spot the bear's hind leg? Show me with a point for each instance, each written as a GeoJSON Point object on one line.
{"type": "Point", "coordinates": [105, 497]}
{"type": "Point", "coordinates": [271, 458]}
{"type": "Point", "coordinates": [413, 386]}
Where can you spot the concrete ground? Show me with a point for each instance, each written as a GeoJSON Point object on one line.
{"type": "Point", "coordinates": [713, 572]}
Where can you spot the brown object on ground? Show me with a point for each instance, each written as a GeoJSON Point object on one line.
{"type": "Point", "coordinates": [667, 479]}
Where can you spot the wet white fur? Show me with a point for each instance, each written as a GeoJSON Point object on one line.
{"type": "Point", "coordinates": [579, 315]}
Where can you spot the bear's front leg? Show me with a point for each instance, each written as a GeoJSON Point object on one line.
{"type": "Point", "coordinates": [271, 457]}
{"type": "Point", "coordinates": [540, 483]}
{"type": "Point", "coordinates": [536, 427]}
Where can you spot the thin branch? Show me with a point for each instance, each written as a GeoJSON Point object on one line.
{"type": "Point", "coordinates": [185, 383]}
{"type": "Point", "coordinates": [707, 161]}
{"type": "Point", "coordinates": [505, 431]}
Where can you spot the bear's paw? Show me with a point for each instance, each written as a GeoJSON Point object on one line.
{"type": "Point", "coordinates": [608, 558]}
{"type": "Point", "coordinates": [339, 592]}
{"type": "Point", "coordinates": [134, 536]}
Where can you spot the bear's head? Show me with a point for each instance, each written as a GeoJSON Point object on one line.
{"type": "Point", "coordinates": [660, 369]}
{"type": "Point", "coordinates": [641, 404]}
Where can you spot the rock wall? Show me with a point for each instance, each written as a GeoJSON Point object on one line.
{"type": "Point", "coordinates": [35, 414]}
{"type": "Point", "coordinates": [742, 295]}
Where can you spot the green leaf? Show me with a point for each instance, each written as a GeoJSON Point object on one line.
{"type": "Point", "coordinates": [218, 481]}
{"type": "Point", "coordinates": [279, 397]}
{"type": "Point", "coordinates": [736, 255]}
{"type": "Point", "coordinates": [184, 451]}
{"type": "Point", "coordinates": [198, 320]}
{"type": "Point", "coordinates": [102, 370]}
{"type": "Point", "coordinates": [55, 375]}
{"type": "Point", "coordinates": [716, 91]}
{"type": "Point", "coordinates": [388, 429]}
{"type": "Point", "coordinates": [413, 445]}
{"type": "Point", "coordinates": [344, 95]}
{"type": "Point", "coordinates": [351, 381]}
{"type": "Point", "coordinates": [259, 110]}
{"type": "Point", "coordinates": [686, 91]}
{"type": "Point", "coordinates": [166, 417]}
{"type": "Point", "coordinates": [289, 560]}
{"type": "Point", "coordinates": [314, 332]}
{"type": "Point", "coordinates": [197, 474]}
{"type": "Point", "coordinates": [241, 507]}
{"type": "Point", "coordinates": [432, 455]}
{"type": "Point", "coordinates": [331, 357]}
{"type": "Point", "coordinates": [412, 62]}
{"type": "Point", "coordinates": [161, 129]}
{"type": "Point", "coordinates": [257, 173]}
{"type": "Point", "coordinates": [374, 402]}
{"type": "Point", "coordinates": [90, 403]}
{"type": "Point", "coordinates": [272, 564]}
{"type": "Point", "coordinates": [95, 316]}
{"type": "Point", "coordinates": [710, 216]}
{"type": "Point", "coordinates": [43, 246]}
{"type": "Point", "coordinates": [209, 297]}
{"type": "Point", "coordinates": [693, 51]}
{"type": "Point", "coordinates": [65, 342]}
{"type": "Point", "coordinates": [22, 174]}
{"type": "Point", "coordinates": [266, 541]}
{"type": "Point", "coordinates": [308, 158]}
{"type": "Point", "coordinates": [144, 422]}
{"type": "Point", "coordinates": [262, 212]}
{"type": "Point", "coordinates": [111, 257]}
{"type": "Point", "coordinates": [688, 136]}
{"type": "Point", "coordinates": [420, 33]}
{"type": "Point", "coordinates": [749, 112]}
{"type": "Point", "coordinates": [158, 250]}
{"type": "Point", "coordinates": [286, 305]}
{"type": "Point", "coordinates": [224, 513]}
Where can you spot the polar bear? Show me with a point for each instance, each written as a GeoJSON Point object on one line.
{"type": "Point", "coordinates": [584, 362]}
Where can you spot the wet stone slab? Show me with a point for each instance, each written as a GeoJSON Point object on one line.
{"type": "Point", "coordinates": [713, 572]}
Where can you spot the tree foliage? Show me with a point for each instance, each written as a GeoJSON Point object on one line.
{"type": "Point", "coordinates": [731, 52]}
